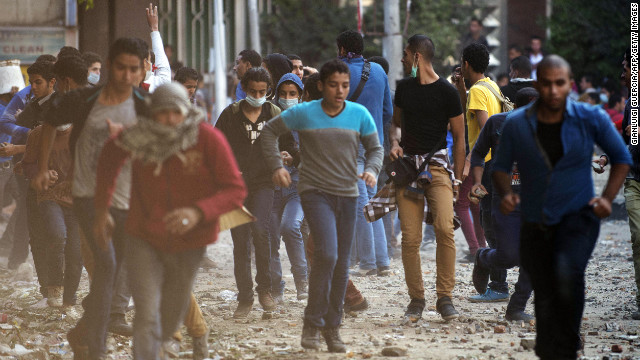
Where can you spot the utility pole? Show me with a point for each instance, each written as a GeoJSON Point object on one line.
{"type": "Point", "coordinates": [392, 41]}
{"type": "Point", "coordinates": [220, 60]}
{"type": "Point", "coordinates": [254, 25]}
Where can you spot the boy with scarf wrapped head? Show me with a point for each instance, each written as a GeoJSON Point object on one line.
{"type": "Point", "coordinates": [184, 177]}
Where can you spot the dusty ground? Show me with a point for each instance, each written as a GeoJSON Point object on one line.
{"type": "Point", "coordinates": [36, 332]}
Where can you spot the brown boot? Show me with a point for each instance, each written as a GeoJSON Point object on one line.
{"type": "Point", "coordinates": [266, 300]}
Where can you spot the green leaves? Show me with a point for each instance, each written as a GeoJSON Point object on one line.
{"type": "Point", "coordinates": [591, 35]}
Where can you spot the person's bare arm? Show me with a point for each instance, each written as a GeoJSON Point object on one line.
{"type": "Point", "coordinates": [502, 182]}
{"type": "Point", "coordinates": [395, 134]}
{"type": "Point", "coordinates": [482, 117]}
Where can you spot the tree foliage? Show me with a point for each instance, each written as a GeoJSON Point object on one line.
{"type": "Point", "coordinates": [444, 21]}
{"type": "Point", "coordinates": [591, 35]}
{"type": "Point", "coordinates": [307, 28]}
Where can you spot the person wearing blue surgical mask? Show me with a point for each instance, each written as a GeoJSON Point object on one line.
{"type": "Point", "coordinates": [287, 214]}
{"type": "Point", "coordinates": [288, 91]}
{"type": "Point", "coordinates": [94, 65]}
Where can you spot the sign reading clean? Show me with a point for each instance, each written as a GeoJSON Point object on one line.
{"type": "Point", "coordinates": [27, 44]}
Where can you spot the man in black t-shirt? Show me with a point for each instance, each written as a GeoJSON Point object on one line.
{"type": "Point", "coordinates": [520, 74]}
{"type": "Point", "coordinates": [425, 104]}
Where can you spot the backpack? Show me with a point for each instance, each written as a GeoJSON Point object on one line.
{"type": "Point", "coordinates": [507, 105]}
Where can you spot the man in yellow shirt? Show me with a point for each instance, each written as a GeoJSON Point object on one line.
{"type": "Point", "coordinates": [480, 104]}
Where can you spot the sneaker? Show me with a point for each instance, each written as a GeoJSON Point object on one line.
{"type": "Point", "coordinates": [490, 296]}
{"type": "Point", "coordinates": [208, 264]}
{"type": "Point", "coordinates": [266, 300]}
{"type": "Point", "coordinates": [302, 290]}
{"type": "Point", "coordinates": [361, 272]}
{"type": "Point", "coordinates": [334, 342]}
{"type": "Point", "coordinates": [201, 347]}
{"type": "Point", "coordinates": [118, 325]}
{"type": "Point", "coordinates": [243, 309]}
{"type": "Point", "coordinates": [278, 299]}
{"type": "Point", "coordinates": [518, 316]}
{"type": "Point", "coordinates": [361, 306]}
{"type": "Point", "coordinates": [446, 309]}
{"type": "Point", "coordinates": [54, 296]}
{"type": "Point", "coordinates": [469, 258]}
{"type": "Point", "coordinates": [384, 271]}
{"type": "Point", "coordinates": [414, 310]}
{"type": "Point", "coordinates": [480, 275]}
{"type": "Point", "coordinates": [310, 337]}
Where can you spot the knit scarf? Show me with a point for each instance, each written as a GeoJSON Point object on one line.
{"type": "Point", "coordinates": [153, 142]}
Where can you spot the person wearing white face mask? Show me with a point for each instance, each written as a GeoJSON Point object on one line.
{"type": "Point", "coordinates": [242, 123]}
{"type": "Point", "coordinates": [63, 257]}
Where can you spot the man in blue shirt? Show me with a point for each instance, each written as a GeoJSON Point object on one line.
{"type": "Point", "coordinates": [552, 142]}
{"type": "Point", "coordinates": [371, 241]}
{"type": "Point", "coordinates": [16, 236]}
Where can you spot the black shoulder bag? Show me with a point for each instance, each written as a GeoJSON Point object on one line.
{"type": "Point", "coordinates": [366, 70]}
{"type": "Point", "coordinates": [402, 171]}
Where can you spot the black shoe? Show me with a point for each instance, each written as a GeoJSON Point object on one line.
{"type": "Point", "coordinates": [480, 275]}
{"type": "Point", "coordinates": [361, 306]}
{"type": "Point", "coordinates": [414, 310]}
{"type": "Point", "coordinates": [310, 337]}
{"type": "Point", "coordinates": [518, 316]}
{"type": "Point", "coordinates": [635, 315]}
{"type": "Point", "coordinates": [118, 325]}
{"type": "Point", "coordinates": [446, 309]}
{"type": "Point", "coordinates": [334, 342]}
{"type": "Point", "coordinates": [384, 271]}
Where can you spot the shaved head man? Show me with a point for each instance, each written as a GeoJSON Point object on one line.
{"type": "Point", "coordinates": [552, 142]}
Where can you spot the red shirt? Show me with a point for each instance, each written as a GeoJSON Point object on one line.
{"type": "Point", "coordinates": [209, 180]}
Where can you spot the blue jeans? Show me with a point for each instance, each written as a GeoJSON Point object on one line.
{"type": "Point", "coordinates": [161, 285]}
{"type": "Point", "coordinates": [286, 221]}
{"type": "Point", "coordinates": [37, 239]}
{"type": "Point", "coordinates": [64, 257]}
{"type": "Point", "coordinates": [332, 222]}
{"type": "Point", "coordinates": [107, 264]}
{"type": "Point", "coordinates": [505, 254]}
{"type": "Point", "coordinates": [371, 241]}
{"type": "Point", "coordinates": [556, 258]}
{"type": "Point", "coordinates": [259, 203]}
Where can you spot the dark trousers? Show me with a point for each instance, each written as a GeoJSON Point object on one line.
{"type": "Point", "coordinates": [332, 220]}
{"type": "Point", "coordinates": [259, 203]}
{"type": "Point", "coordinates": [63, 254]}
{"type": "Point", "coordinates": [20, 247]}
{"type": "Point", "coordinates": [498, 276]}
{"type": "Point", "coordinates": [505, 254]}
{"type": "Point", "coordinates": [107, 264]}
{"type": "Point", "coordinates": [556, 258]}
